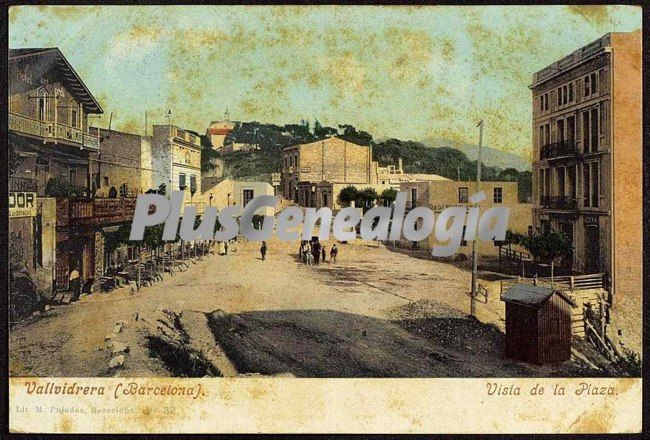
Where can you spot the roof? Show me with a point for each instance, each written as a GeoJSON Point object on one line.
{"type": "Point", "coordinates": [532, 296]}
{"type": "Point", "coordinates": [327, 140]}
{"type": "Point", "coordinates": [53, 58]}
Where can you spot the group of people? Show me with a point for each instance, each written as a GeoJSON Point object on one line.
{"type": "Point", "coordinates": [313, 252]}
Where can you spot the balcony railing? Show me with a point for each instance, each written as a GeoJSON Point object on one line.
{"type": "Point", "coordinates": [21, 184]}
{"type": "Point", "coordinates": [48, 130]}
{"type": "Point", "coordinates": [94, 212]}
{"type": "Point", "coordinates": [557, 149]}
{"type": "Point", "coordinates": [558, 202]}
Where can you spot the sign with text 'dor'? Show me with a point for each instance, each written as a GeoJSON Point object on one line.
{"type": "Point", "coordinates": [22, 204]}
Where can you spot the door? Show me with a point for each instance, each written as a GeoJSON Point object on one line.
{"type": "Point", "coordinates": [592, 249]}
{"type": "Point", "coordinates": [567, 229]}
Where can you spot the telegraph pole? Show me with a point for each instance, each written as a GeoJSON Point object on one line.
{"type": "Point", "coordinates": [472, 308]}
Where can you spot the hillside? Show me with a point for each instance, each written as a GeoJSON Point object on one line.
{"type": "Point", "coordinates": [491, 156]}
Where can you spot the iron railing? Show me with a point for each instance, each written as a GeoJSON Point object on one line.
{"type": "Point", "coordinates": [557, 149]}
{"type": "Point", "coordinates": [558, 202]}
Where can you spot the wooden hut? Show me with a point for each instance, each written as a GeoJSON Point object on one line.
{"type": "Point", "coordinates": [538, 324]}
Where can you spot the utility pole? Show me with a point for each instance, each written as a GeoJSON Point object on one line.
{"type": "Point", "coordinates": [472, 308]}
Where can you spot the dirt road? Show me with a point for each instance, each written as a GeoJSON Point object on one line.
{"type": "Point", "coordinates": [377, 312]}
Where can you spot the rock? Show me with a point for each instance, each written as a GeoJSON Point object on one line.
{"type": "Point", "coordinates": [119, 347]}
{"type": "Point", "coordinates": [46, 308]}
{"type": "Point", "coordinates": [36, 313]}
{"type": "Point", "coordinates": [117, 328]}
{"type": "Point", "coordinates": [116, 361]}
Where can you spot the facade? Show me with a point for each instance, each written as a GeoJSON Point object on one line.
{"type": "Point", "coordinates": [587, 170]}
{"type": "Point", "coordinates": [176, 160]}
{"type": "Point", "coordinates": [49, 125]}
{"type": "Point", "coordinates": [439, 195]}
{"type": "Point", "coordinates": [538, 324]}
{"type": "Point", "coordinates": [230, 192]}
{"type": "Point", "coordinates": [126, 167]}
{"type": "Point", "coordinates": [50, 137]}
{"type": "Point", "coordinates": [330, 160]}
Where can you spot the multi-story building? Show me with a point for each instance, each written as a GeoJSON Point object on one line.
{"type": "Point", "coordinates": [176, 160]}
{"type": "Point", "coordinates": [126, 167]}
{"type": "Point", "coordinates": [439, 195]}
{"type": "Point", "coordinates": [57, 155]}
{"type": "Point", "coordinates": [49, 123]}
{"type": "Point", "coordinates": [587, 169]}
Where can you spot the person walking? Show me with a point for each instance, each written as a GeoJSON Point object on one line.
{"type": "Point", "coordinates": [263, 250]}
{"type": "Point", "coordinates": [225, 246]}
{"type": "Point", "coordinates": [74, 281]}
{"type": "Point", "coordinates": [333, 253]}
{"type": "Point", "coordinates": [323, 253]}
{"type": "Point", "coordinates": [316, 252]}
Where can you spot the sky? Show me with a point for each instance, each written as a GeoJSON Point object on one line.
{"type": "Point", "coordinates": [404, 72]}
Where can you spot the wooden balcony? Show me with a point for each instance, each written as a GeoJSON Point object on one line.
{"type": "Point", "coordinates": [51, 132]}
{"type": "Point", "coordinates": [94, 212]}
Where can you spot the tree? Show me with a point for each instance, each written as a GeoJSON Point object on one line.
{"type": "Point", "coordinates": [348, 195]}
{"type": "Point", "coordinates": [366, 198]}
{"type": "Point", "coordinates": [57, 187]}
{"type": "Point", "coordinates": [351, 134]}
{"type": "Point", "coordinates": [546, 247]}
{"type": "Point", "coordinates": [388, 196]}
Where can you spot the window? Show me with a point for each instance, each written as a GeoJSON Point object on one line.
{"type": "Point", "coordinates": [594, 129]}
{"type": "Point", "coordinates": [591, 84]}
{"type": "Point", "coordinates": [571, 92]}
{"type": "Point", "coordinates": [42, 103]}
{"type": "Point", "coordinates": [595, 174]}
{"type": "Point", "coordinates": [74, 113]}
{"type": "Point", "coordinates": [560, 181]}
{"type": "Point", "coordinates": [193, 183]}
{"type": "Point", "coordinates": [560, 130]}
{"type": "Point", "coordinates": [560, 97]}
{"type": "Point", "coordinates": [105, 180]}
{"type": "Point", "coordinates": [182, 181]}
{"type": "Point", "coordinates": [571, 129]}
{"type": "Point", "coordinates": [498, 195]}
{"type": "Point", "coordinates": [590, 130]}
{"type": "Point", "coordinates": [462, 194]}
{"type": "Point", "coordinates": [414, 197]}
{"type": "Point", "coordinates": [586, 180]}
{"type": "Point", "coordinates": [248, 196]}
{"type": "Point", "coordinates": [73, 176]}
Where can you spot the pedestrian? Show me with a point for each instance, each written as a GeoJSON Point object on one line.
{"type": "Point", "coordinates": [333, 253]}
{"type": "Point", "coordinates": [263, 250]}
{"type": "Point", "coordinates": [323, 253]}
{"type": "Point", "coordinates": [310, 259]}
{"type": "Point", "coordinates": [316, 251]}
{"type": "Point", "coordinates": [301, 252]}
{"type": "Point", "coordinates": [225, 246]}
{"type": "Point", "coordinates": [74, 281]}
